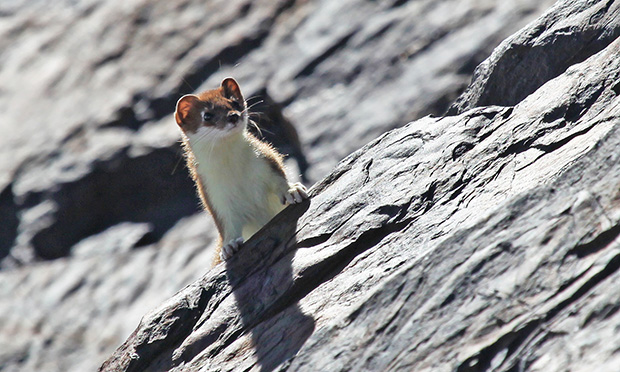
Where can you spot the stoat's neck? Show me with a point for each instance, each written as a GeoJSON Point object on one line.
{"type": "Point", "coordinates": [240, 186]}
{"type": "Point", "coordinates": [219, 157]}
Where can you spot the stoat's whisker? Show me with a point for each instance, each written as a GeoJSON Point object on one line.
{"type": "Point", "coordinates": [252, 105]}
{"type": "Point", "coordinates": [256, 126]}
{"type": "Point", "coordinates": [204, 135]}
{"type": "Point", "coordinates": [251, 98]}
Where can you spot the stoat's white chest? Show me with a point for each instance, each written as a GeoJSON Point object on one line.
{"type": "Point", "coordinates": [239, 183]}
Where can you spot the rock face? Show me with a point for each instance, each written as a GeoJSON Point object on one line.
{"type": "Point", "coordinates": [486, 240]}
{"type": "Point", "coordinates": [568, 35]}
{"type": "Point", "coordinates": [105, 79]}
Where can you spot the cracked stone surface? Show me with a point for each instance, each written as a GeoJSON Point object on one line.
{"type": "Point", "coordinates": [485, 240]}
{"type": "Point", "coordinates": [565, 35]}
{"type": "Point", "coordinates": [105, 77]}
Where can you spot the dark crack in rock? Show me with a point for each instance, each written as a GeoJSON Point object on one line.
{"type": "Point", "coordinates": [10, 221]}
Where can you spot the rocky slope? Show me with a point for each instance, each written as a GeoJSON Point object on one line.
{"type": "Point", "coordinates": [98, 81]}
{"type": "Point", "coordinates": [483, 241]}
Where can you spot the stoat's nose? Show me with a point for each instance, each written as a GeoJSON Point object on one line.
{"type": "Point", "coordinates": [233, 117]}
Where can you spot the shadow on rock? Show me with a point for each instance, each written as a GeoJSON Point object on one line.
{"type": "Point", "coordinates": [267, 295]}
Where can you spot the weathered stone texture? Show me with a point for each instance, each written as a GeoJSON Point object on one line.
{"type": "Point", "coordinates": [484, 240]}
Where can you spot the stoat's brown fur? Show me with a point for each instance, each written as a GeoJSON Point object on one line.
{"type": "Point", "coordinates": [240, 179]}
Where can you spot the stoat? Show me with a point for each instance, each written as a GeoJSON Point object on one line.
{"type": "Point", "coordinates": [240, 179]}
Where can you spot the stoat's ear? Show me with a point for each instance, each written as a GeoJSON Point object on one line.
{"type": "Point", "coordinates": [231, 90]}
{"type": "Point", "coordinates": [184, 107]}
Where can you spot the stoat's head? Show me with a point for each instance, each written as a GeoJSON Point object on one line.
{"type": "Point", "coordinates": [213, 114]}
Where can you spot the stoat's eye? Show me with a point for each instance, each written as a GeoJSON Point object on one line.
{"type": "Point", "coordinates": [207, 116]}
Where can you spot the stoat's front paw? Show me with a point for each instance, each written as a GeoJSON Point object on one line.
{"type": "Point", "coordinates": [295, 194]}
{"type": "Point", "coordinates": [229, 249]}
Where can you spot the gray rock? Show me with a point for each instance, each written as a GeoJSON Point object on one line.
{"type": "Point", "coordinates": [118, 238]}
{"type": "Point", "coordinates": [349, 71]}
{"type": "Point", "coordinates": [97, 212]}
{"type": "Point", "coordinates": [566, 34]}
{"type": "Point", "coordinates": [105, 79]}
{"type": "Point", "coordinates": [67, 314]}
{"type": "Point", "coordinates": [483, 241]}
